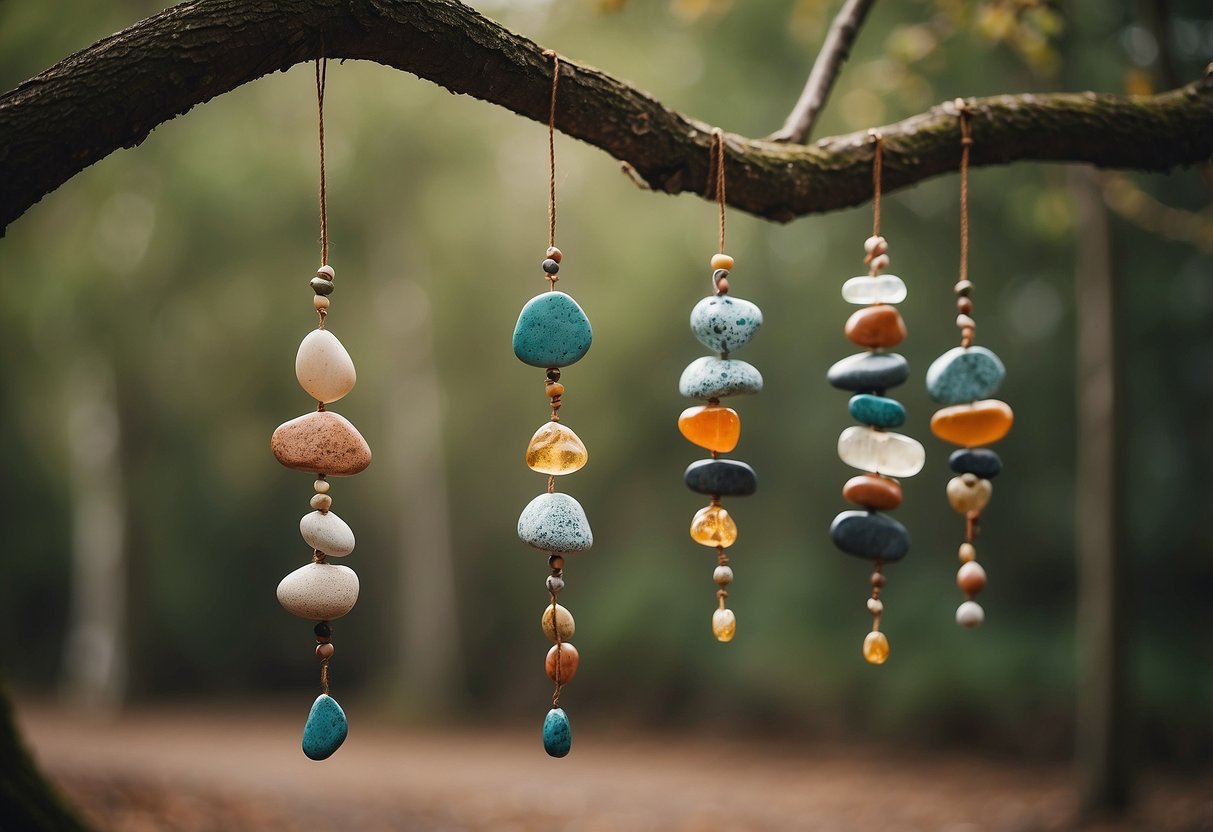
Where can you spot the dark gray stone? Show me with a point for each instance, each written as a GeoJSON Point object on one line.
{"type": "Point", "coordinates": [721, 478]}
{"type": "Point", "coordinates": [868, 372]}
{"type": "Point", "coordinates": [870, 535]}
{"type": "Point", "coordinates": [980, 461]}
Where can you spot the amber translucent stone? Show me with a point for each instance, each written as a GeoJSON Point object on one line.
{"type": "Point", "coordinates": [712, 526]}
{"type": "Point", "coordinates": [970, 425]}
{"type": "Point", "coordinates": [711, 426]}
{"type": "Point", "coordinates": [562, 663]}
{"type": "Point", "coordinates": [871, 491]}
{"type": "Point", "coordinates": [724, 625]}
{"type": "Point", "coordinates": [876, 647]}
{"type": "Point", "coordinates": [554, 449]}
{"type": "Point", "coordinates": [876, 326]}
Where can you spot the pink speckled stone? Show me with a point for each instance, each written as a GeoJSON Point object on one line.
{"type": "Point", "coordinates": [321, 443]}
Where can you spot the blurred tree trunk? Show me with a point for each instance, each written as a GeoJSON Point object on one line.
{"type": "Point", "coordinates": [94, 665]}
{"type": "Point", "coordinates": [27, 801]}
{"type": "Point", "coordinates": [1103, 713]}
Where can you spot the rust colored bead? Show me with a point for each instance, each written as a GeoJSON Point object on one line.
{"type": "Point", "coordinates": [325, 651]}
{"type": "Point", "coordinates": [970, 425]}
{"type": "Point", "coordinates": [556, 562]}
{"type": "Point", "coordinates": [555, 389]}
{"type": "Point", "coordinates": [878, 580]}
{"type": "Point", "coordinates": [871, 491]}
{"type": "Point", "coordinates": [553, 253]}
{"type": "Point", "coordinates": [964, 288]}
{"type": "Point", "coordinates": [562, 663]}
{"type": "Point", "coordinates": [876, 326]}
{"type": "Point", "coordinates": [964, 306]}
{"type": "Point", "coordinates": [721, 261]}
{"type": "Point", "coordinates": [711, 426]}
{"type": "Point", "coordinates": [322, 502]}
{"type": "Point", "coordinates": [971, 578]}
{"type": "Point", "coordinates": [722, 286]}
{"type": "Point", "coordinates": [554, 374]}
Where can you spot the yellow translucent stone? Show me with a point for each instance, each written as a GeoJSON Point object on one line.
{"type": "Point", "coordinates": [971, 425]}
{"type": "Point", "coordinates": [712, 526]}
{"type": "Point", "coordinates": [876, 647]}
{"type": "Point", "coordinates": [724, 625]}
{"type": "Point", "coordinates": [554, 449]}
{"type": "Point", "coordinates": [711, 426]}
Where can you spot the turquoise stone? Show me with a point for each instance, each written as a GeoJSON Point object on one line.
{"type": "Point", "coordinates": [963, 375]}
{"type": "Point", "coordinates": [870, 535]}
{"type": "Point", "coordinates": [552, 331]}
{"type": "Point", "coordinates": [555, 523]}
{"type": "Point", "coordinates": [724, 323]}
{"type": "Point", "coordinates": [714, 378]}
{"type": "Point", "coordinates": [325, 728]}
{"type": "Point", "coordinates": [557, 735]}
{"type": "Point", "coordinates": [877, 411]}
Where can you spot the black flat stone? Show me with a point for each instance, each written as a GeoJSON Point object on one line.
{"type": "Point", "coordinates": [870, 535]}
{"type": "Point", "coordinates": [979, 461]}
{"type": "Point", "coordinates": [867, 372]}
{"type": "Point", "coordinates": [721, 477]}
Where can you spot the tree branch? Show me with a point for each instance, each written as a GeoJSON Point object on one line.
{"type": "Point", "coordinates": [834, 53]}
{"type": "Point", "coordinates": [112, 94]}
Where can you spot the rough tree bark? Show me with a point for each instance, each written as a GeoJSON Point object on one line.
{"type": "Point", "coordinates": [112, 94]}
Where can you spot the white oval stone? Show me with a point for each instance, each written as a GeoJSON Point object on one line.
{"type": "Point", "coordinates": [864, 290]}
{"type": "Point", "coordinates": [970, 614]}
{"type": "Point", "coordinates": [319, 591]}
{"type": "Point", "coordinates": [324, 531]}
{"type": "Point", "coordinates": [323, 367]}
{"type": "Point", "coordinates": [882, 452]}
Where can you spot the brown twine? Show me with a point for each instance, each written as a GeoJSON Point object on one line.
{"type": "Point", "coordinates": [556, 631]}
{"type": "Point", "coordinates": [877, 172]}
{"type": "Point", "coordinates": [548, 53]}
{"type": "Point", "coordinates": [551, 483]}
{"type": "Point", "coordinates": [716, 176]}
{"type": "Point", "coordinates": [324, 675]}
{"type": "Point", "coordinates": [966, 141]}
{"type": "Point", "coordinates": [321, 78]}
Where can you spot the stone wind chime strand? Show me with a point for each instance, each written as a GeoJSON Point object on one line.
{"type": "Point", "coordinates": [964, 378]}
{"type": "Point", "coordinates": [327, 445]}
{"type": "Point", "coordinates": [724, 324]}
{"type": "Point", "coordinates": [553, 332]}
{"type": "Point", "coordinates": [873, 448]}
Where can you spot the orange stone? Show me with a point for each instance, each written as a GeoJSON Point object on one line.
{"type": "Point", "coordinates": [322, 442]}
{"type": "Point", "coordinates": [871, 491]}
{"type": "Point", "coordinates": [711, 426]}
{"type": "Point", "coordinates": [562, 663]}
{"type": "Point", "coordinates": [970, 425]}
{"type": "Point", "coordinates": [876, 326]}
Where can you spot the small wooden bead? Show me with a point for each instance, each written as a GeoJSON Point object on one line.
{"type": "Point", "coordinates": [556, 562]}
{"type": "Point", "coordinates": [965, 322]}
{"type": "Point", "coordinates": [553, 253]}
{"type": "Point", "coordinates": [879, 263]}
{"type": "Point", "coordinates": [322, 630]}
{"type": "Point", "coordinates": [326, 272]}
{"type": "Point", "coordinates": [964, 305]}
{"type": "Point", "coordinates": [554, 584]}
{"type": "Point", "coordinates": [722, 286]}
{"type": "Point", "coordinates": [970, 614]}
{"type": "Point", "coordinates": [322, 502]}
{"type": "Point", "coordinates": [723, 575]}
{"type": "Point", "coordinates": [555, 390]}
{"type": "Point", "coordinates": [968, 552]}
{"type": "Point", "coordinates": [551, 266]}
{"type": "Point", "coordinates": [964, 288]}
{"type": "Point", "coordinates": [322, 286]}
{"type": "Point", "coordinates": [971, 578]}
{"type": "Point", "coordinates": [554, 374]}
{"type": "Point", "coordinates": [325, 651]}
{"type": "Point", "coordinates": [878, 579]}
{"type": "Point", "coordinates": [875, 606]}
{"type": "Point", "coordinates": [871, 245]}
{"type": "Point", "coordinates": [321, 486]}
{"type": "Point", "coordinates": [722, 261]}
{"type": "Point", "coordinates": [320, 302]}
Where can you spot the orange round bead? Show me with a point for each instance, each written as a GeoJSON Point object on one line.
{"type": "Point", "coordinates": [970, 425]}
{"type": "Point", "coordinates": [711, 426]}
{"type": "Point", "coordinates": [876, 326]}
{"type": "Point", "coordinates": [871, 491]}
{"type": "Point", "coordinates": [562, 663]}
{"type": "Point", "coordinates": [721, 261]}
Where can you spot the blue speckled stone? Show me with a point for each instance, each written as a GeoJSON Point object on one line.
{"type": "Point", "coordinates": [870, 535]}
{"type": "Point", "coordinates": [721, 478]}
{"type": "Point", "coordinates": [715, 378]}
{"type": "Point", "coordinates": [557, 734]}
{"type": "Point", "coordinates": [877, 411]}
{"type": "Point", "coordinates": [865, 372]}
{"type": "Point", "coordinates": [963, 375]}
{"type": "Point", "coordinates": [555, 523]}
{"type": "Point", "coordinates": [552, 331]}
{"type": "Point", "coordinates": [981, 462]}
{"type": "Point", "coordinates": [325, 728]}
{"type": "Point", "coordinates": [725, 323]}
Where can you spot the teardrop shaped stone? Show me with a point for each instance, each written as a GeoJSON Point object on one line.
{"type": "Point", "coordinates": [556, 450]}
{"type": "Point", "coordinates": [323, 367]}
{"type": "Point", "coordinates": [877, 411]}
{"type": "Point", "coordinates": [725, 323]}
{"type": "Point", "coordinates": [980, 461]}
{"type": "Point", "coordinates": [552, 331]}
{"type": "Point", "coordinates": [712, 526]}
{"type": "Point", "coordinates": [557, 733]}
{"type": "Point", "coordinates": [863, 290]}
{"type": "Point", "coordinates": [321, 442]}
{"type": "Point", "coordinates": [555, 523]}
{"type": "Point", "coordinates": [326, 728]}
{"type": "Point", "coordinates": [979, 423]}
{"type": "Point", "coordinates": [325, 532]}
{"type": "Point", "coordinates": [319, 591]}
{"type": "Point", "coordinates": [870, 535]}
{"type": "Point", "coordinates": [969, 493]}
{"type": "Point", "coordinates": [721, 478]}
{"type": "Point", "coordinates": [964, 375]}
{"type": "Point", "coordinates": [876, 326]}
{"type": "Point", "coordinates": [557, 621]}
{"type": "Point", "coordinates": [724, 625]}
{"type": "Point", "coordinates": [881, 452]}
{"type": "Point", "coordinates": [562, 663]}
{"type": "Point", "coordinates": [714, 378]}
{"type": "Point", "coordinates": [866, 372]}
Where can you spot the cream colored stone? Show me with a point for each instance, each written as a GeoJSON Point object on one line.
{"type": "Point", "coordinates": [323, 367]}
{"type": "Point", "coordinates": [319, 591]}
{"type": "Point", "coordinates": [557, 618]}
{"type": "Point", "coordinates": [324, 531]}
{"type": "Point", "coordinates": [968, 493]}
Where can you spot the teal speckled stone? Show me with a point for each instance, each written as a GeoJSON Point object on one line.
{"type": "Point", "coordinates": [963, 375]}
{"type": "Point", "coordinates": [724, 323]}
{"type": "Point", "coordinates": [557, 734]}
{"type": "Point", "coordinates": [555, 523]}
{"type": "Point", "coordinates": [714, 378]}
{"type": "Point", "coordinates": [877, 411]}
{"type": "Point", "coordinates": [552, 331]}
{"type": "Point", "coordinates": [325, 728]}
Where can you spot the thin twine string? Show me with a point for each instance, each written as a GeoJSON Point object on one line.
{"type": "Point", "coordinates": [321, 78]}
{"type": "Point", "coordinates": [716, 176]}
{"type": "Point", "coordinates": [877, 173]}
{"type": "Point", "coordinates": [559, 652]}
{"type": "Point", "coordinates": [966, 141]}
{"type": "Point", "coordinates": [324, 675]}
{"type": "Point", "coordinates": [548, 53]}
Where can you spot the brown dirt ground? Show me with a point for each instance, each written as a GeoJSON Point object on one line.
{"type": "Point", "coordinates": [198, 770]}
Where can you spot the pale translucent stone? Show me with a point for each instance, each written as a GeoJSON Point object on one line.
{"type": "Point", "coordinates": [881, 452]}
{"type": "Point", "coordinates": [724, 625]}
{"type": "Point", "coordinates": [556, 619]}
{"type": "Point", "coordinates": [555, 450]}
{"type": "Point", "coordinates": [876, 647]}
{"type": "Point", "coordinates": [323, 367]}
{"type": "Point", "coordinates": [325, 532]}
{"type": "Point", "coordinates": [863, 290]}
{"type": "Point", "coordinates": [970, 614]}
{"type": "Point", "coordinates": [319, 591]}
